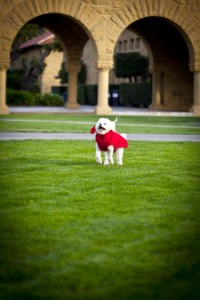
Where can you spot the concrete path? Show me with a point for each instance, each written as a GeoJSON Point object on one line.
{"type": "Point", "coordinates": [87, 109]}
{"type": "Point", "coordinates": [5, 136]}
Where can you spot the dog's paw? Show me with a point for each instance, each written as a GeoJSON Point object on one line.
{"type": "Point", "coordinates": [106, 163]}
{"type": "Point", "coordinates": [119, 161]}
{"type": "Point", "coordinates": [99, 161]}
{"type": "Point", "coordinates": [111, 161]}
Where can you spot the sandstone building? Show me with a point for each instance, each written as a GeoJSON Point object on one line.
{"type": "Point", "coordinates": [127, 42]}
{"type": "Point", "coordinates": [170, 30]}
{"type": "Point", "coordinates": [33, 49]}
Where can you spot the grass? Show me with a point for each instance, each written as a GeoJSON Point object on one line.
{"type": "Point", "coordinates": [71, 229]}
{"type": "Point", "coordinates": [71, 123]}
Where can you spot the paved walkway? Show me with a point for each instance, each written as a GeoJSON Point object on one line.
{"type": "Point", "coordinates": [5, 136]}
{"type": "Point", "coordinates": [86, 109]}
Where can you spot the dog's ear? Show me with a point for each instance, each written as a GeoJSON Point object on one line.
{"type": "Point", "coordinates": [93, 129]}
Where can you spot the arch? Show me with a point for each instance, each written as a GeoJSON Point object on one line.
{"type": "Point", "coordinates": [102, 22]}
{"type": "Point", "coordinates": [78, 11]}
{"type": "Point", "coordinates": [171, 11]}
{"type": "Point", "coordinates": [174, 81]}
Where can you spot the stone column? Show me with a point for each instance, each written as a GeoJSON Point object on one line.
{"type": "Point", "coordinates": [102, 107]}
{"type": "Point", "coordinates": [73, 71]}
{"type": "Point", "coordinates": [3, 107]}
{"type": "Point", "coordinates": [156, 90]}
{"type": "Point", "coordinates": [196, 93]}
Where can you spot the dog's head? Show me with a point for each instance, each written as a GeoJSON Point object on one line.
{"type": "Point", "coordinates": [103, 126]}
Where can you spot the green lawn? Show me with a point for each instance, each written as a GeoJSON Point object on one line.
{"type": "Point", "coordinates": [83, 123]}
{"type": "Point", "coordinates": [74, 230]}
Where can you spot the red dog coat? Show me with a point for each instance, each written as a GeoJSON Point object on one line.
{"type": "Point", "coordinates": [111, 138]}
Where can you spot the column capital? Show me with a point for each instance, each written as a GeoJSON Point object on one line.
{"type": "Point", "coordinates": [102, 65]}
{"type": "Point", "coordinates": [4, 66]}
{"type": "Point", "coordinates": [195, 67]}
{"type": "Point", "coordinates": [74, 68]}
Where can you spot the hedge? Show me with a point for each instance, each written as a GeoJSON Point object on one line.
{"type": "Point", "coordinates": [136, 94]}
{"type": "Point", "coordinates": [14, 78]}
{"type": "Point", "coordinates": [20, 98]}
{"type": "Point", "coordinates": [87, 94]}
{"type": "Point", "coordinates": [130, 94]}
{"type": "Point", "coordinates": [25, 98]}
{"type": "Point", "coordinates": [49, 100]}
{"type": "Point", "coordinates": [91, 94]}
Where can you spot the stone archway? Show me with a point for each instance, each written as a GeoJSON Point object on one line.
{"type": "Point", "coordinates": [73, 38]}
{"type": "Point", "coordinates": [172, 79]}
{"type": "Point", "coordinates": [76, 23]}
{"type": "Point", "coordinates": [186, 28]}
{"type": "Point", "coordinates": [103, 22]}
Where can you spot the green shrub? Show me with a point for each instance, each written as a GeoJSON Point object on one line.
{"type": "Point", "coordinates": [129, 65]}
{"type": "Point", "coordinates": [87, 94]}
{"type": "Point", "coordinates": [14, 78]}
{"type": "Point", "coordinates": [91, 94]}
{"type": "Point", "coordinates": [19, 98]}
{"type": "Point", "coordinates": [49, 100]}
{"type": "Point", "coordinates": [30, 99]}
{"type": "Point", "coordinates": [82, 99]}
{"type": "Point", "coordinates": [135, 94]}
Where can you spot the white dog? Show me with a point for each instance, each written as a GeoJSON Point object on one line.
{"type": "Point", "coordinates": [108, 141]}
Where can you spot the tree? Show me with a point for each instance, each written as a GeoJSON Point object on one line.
{"type": "Point", "coordinates": [32, 69]}
{"type": "Point", "coordinates": [26, 33]}
{"type": "Point", "coordinates": [63, 75]}
{"type": "Point", "coordinates": [128, 65]}
{"type": "Point", "coordinates": [34, 66]}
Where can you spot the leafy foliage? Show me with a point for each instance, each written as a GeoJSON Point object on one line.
{"type": "Point", "coordinates": [63, 74]}
{"type": "Point", "coordinates": [29, 99]}
{"type": "Point", "coordinates": [32, 68]}
{"type": "Point", "coordinates": [49, 100]}
{"type": "Point", "coordinates": [26, 33]}
{"type": "Point", "coordinates": [128, 65]}
{"type": "Point", "coordinates": [14, 79]}
{"type": "Point", "coordinates": [136, 94]}
{"type": "Point", "coordinates": [19, 98]}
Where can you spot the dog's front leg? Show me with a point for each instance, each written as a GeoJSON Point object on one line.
{"type": "Point", "coordinates": [98, 155]}
{"type": "Point", "coordinates": [119, 156]}
{"type": "Point", "coordinates": [106, 162]}
{"type": "Point", "coordinates": [110, 151]}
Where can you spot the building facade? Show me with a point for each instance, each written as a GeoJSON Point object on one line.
{"type": "Point", "coordinates": [34, 49]}
{"type": "Point", "coordinates": [170, 30]}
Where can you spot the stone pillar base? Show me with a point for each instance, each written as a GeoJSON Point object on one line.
{"type": "Point", "coordinates": [103, 110]}
{"type": "Point", "coordinates": [72, 105]}
{"type": "Point", "coordinates": [196, 111]}
{"type": "Point", "coordinates": [156, 106]}
{"type": "Point", "coordinates": [4, 110]}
